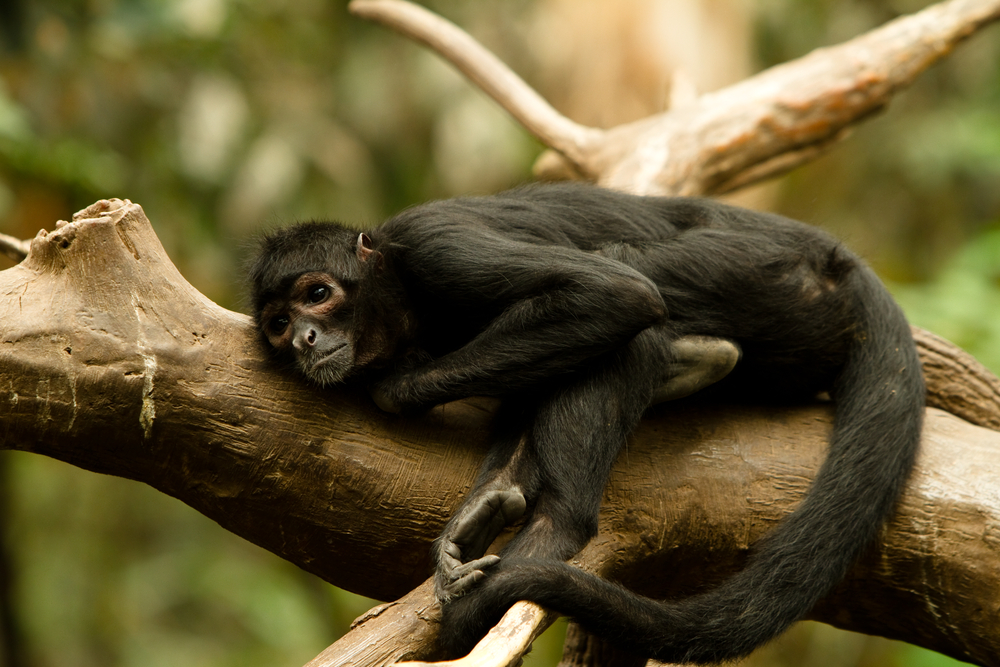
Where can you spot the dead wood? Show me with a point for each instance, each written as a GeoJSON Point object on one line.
{"type": "Point", "coordinates": [727, 139]}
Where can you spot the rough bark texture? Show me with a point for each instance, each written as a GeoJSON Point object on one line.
{"type": "Point", "coordinates": [111, 361]}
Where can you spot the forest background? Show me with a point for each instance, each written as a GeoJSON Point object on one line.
{"type": "Point", "coordinates": [224, 118]}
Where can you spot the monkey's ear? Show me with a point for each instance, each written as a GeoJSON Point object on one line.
{"type": "Point", "coordinates": [364, 249]}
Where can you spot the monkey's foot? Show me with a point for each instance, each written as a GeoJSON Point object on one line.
{"type": "Point", "coordinates": [699, 361]}
{"type": "Point", "coordinates": [468, 535]}
{"type": "Point", "coordinates": [459, 580]}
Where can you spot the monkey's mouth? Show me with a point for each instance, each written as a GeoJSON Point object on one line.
{"type": "Point", "coordinates": [332, 365]}
{"type": "Point", "coordinates": [330, 356]}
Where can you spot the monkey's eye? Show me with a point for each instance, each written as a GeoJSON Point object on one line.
{"type": "Point", "coordinates": [278, 324]}
{"type": "Point", "coordinates": [318, 293]}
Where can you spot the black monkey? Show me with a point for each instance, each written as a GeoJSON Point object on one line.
{"type": "Point", "coordinates": [567, 302]}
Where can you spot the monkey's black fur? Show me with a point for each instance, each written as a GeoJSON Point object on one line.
{"type": "Point", "coordinates": [564, 301]}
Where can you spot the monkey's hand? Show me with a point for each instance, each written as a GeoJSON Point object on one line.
{"type": "Point", "coordinates": [458, 552]}
{"type": "Point", "coordinates": [394, 394]}
{"type": "Point", "coordinates": [397, 393]}
{"type": "Point", "coordinates": [382, 400]}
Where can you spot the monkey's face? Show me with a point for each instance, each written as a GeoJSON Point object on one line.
{"type": "Point", "coordinates": [312, 322]}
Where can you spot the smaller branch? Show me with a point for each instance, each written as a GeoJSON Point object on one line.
{"type": "Point", "coordinates": [790, 113]}
{"type": "Point", "coordinates": [957, 382]}
{"type": "Point", "coordinates": [374, 637]}
{"type": "Point", "coordinates": [508, 641]}
{"type": "Point", "coordinates": [779, 164]}
{"type": "Point", "coordinates": [485, 70]}
{"type": "Point", "coordinates": [14, 248]}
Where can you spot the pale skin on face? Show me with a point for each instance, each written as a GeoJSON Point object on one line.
{"type": "Point", "coordinates": [316, 295]}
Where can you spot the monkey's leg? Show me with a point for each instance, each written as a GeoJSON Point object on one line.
{"type": "Point", "coordinates": [578, 430]}
{"type": "Point", "coordinates": [507, 481]}
{"type": "Point", "coordinates": [510, 472]}
{"type": "Point", "coordinates": [575, 436]}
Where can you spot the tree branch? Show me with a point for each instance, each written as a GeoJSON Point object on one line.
{"type": "Point", "coordinates": [756, 129]}
{"type": "Point", "coordinates": [485, 70]}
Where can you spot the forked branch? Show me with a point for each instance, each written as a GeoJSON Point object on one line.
{"type": "Point", "coordinates": [728, 139]}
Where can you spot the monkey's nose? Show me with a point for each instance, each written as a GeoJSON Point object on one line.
{"type": "Point", "coordinates": [305, 339]}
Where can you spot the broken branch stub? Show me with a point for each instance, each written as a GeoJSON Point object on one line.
{"type": "Point", "coordinates": [111, 361]}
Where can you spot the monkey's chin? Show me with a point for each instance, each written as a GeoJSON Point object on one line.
{"type": "Point", "coordinates": [330, 368]}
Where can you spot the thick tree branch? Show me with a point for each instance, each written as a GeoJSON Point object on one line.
{"type": "Point", "coordinates": [728, 139]}
{"type": "Point", "coordinates": [111, 361]}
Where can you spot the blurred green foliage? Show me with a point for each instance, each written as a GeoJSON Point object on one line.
{"type": "Point", "coordinates": [109, 572]}
{"type": "Point", "coordinates": [222, 117]}
{"type": "Point", "coordinates": [963, 301]}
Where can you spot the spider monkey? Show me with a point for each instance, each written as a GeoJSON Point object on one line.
{"type": "Point", "coordinates": [568, 302]}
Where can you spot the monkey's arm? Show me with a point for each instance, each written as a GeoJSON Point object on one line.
{"type": "Point", "coordinates": [556, 307]}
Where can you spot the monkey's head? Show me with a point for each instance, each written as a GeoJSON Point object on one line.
{"type": "Point", "coordinates": [309, 285]}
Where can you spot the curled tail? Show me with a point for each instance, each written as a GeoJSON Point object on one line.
{"type": "Point", "coordinates": [879, 398]}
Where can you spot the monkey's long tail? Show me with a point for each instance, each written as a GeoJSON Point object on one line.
{"type": "Point", "coordinates": [879, 409]}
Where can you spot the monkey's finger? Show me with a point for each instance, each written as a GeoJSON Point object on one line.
{"type": "Point", "coordinates": [452, 569]}
{"type": "Point", "coordinates": [469, 575]}
{"type": "Point", "coordinates": [483, 563]}
{"type": "Point", "coordinates": [450, 558]}
{"type": "Point", "coordinates": [462, 586]}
